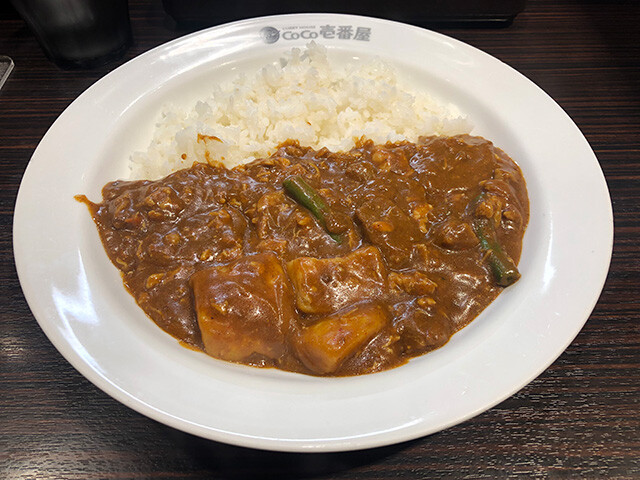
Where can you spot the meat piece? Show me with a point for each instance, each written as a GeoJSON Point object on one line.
{"type": "Point", "coordinates": [389, 228]}
{"type": "Point", "coordinates": [455, 234]}
{"type": "Point", "coordinates": [162, 203]}
{"type": "Point", "coordinates": [423, 328]}
{"type": "Point", "coordinates": [125, 214]}
{"type": "Point", "coordinates": [327, 285]}
{"type": "Point", "coordinates": [323, 346]}
{"type": "Point", "coordinates": [216, 235]}
{"type": "Point", "coordinates": [413, 282]}
{"type": "Point", "coordinates": [389, 159]}
{"type": "Point", "coordinates": [273, 215]}
{"type": "Point", "coordinates": [278, 218]}
{"type": "Point", "coordinates": [244, 308]}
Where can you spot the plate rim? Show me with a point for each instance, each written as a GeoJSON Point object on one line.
{"type": "Point", "coordinates": [271, 444]}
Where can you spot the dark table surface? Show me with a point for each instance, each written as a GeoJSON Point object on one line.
{"type": "Point", "coordinates": [579, 419]}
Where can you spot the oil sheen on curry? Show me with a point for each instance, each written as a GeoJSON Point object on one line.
{"type": "Point", "coordinates": [321, 263]}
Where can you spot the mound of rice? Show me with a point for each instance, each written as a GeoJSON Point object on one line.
{"type": "Point", "coordinates": [305, 97]}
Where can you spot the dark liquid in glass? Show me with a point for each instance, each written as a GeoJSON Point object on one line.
{"type": "Point", "coordinates": [78, 33]}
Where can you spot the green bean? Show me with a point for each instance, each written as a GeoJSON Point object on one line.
{"type": "Point", "coordinates": [504, 270]}
{"type": "Point", "coordinates": [305, 195]}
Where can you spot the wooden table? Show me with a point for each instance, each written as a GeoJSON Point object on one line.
{"type": "Point", "coordinates": [579, 419]}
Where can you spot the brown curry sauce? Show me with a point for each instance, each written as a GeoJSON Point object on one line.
{"type": "Point", "coordinates": [225, 261]}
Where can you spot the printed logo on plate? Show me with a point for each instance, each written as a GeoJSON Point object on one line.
{"type": "Point", "coordinates": [306, 32]}
{"type": "Point", "coordinates": [269, 34]}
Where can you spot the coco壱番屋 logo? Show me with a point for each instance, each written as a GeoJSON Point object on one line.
{"type": "Point", "coordinates": [305, 32]}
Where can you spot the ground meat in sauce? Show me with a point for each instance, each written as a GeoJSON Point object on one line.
{"type": "Point", "coordinates": [226, 261]}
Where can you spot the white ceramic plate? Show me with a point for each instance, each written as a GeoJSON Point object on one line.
{"type": "Point", "coordinates": [79, 301]}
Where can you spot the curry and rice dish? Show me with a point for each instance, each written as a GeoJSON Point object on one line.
{"type": "Point", "coordinates": [322, 263]}
{"type": "Point", "coordinates": [340, 257]}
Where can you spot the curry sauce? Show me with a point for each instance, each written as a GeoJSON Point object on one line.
{"type": "Point", "coordinates": [230, 262]}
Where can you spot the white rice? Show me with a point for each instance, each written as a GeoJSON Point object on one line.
{"type": "Point", "coordinates": [306, 98]}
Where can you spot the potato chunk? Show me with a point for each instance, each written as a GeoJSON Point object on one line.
{"type": "Point", "coordinates": [323, 346]}
{"type": "Point", "coordinates": [244, 308]}
{"type": "Point", "coordinates": [329, 284]}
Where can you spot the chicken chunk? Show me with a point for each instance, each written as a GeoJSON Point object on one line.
{"type": "Point", "coordinates": [244, 308]}
{"type": "Point", "coordinates": [329, 284]}
{"type": "Point", "coordinates": [323, 346]}
{"type": "Point", "coordinates": [413, 282]}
